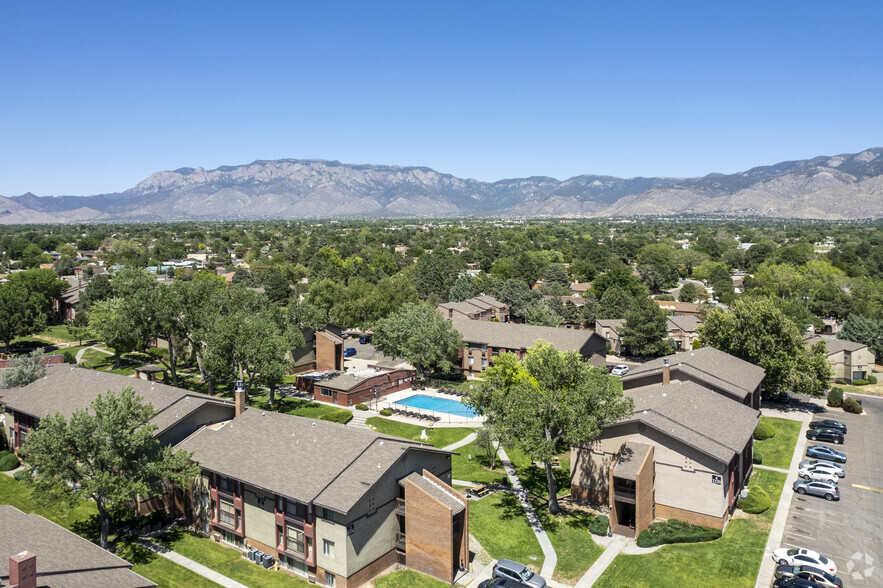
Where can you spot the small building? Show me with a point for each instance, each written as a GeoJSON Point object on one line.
{"type": "Point", "coordinates": [720, 372]}
{"type": "Point", "coordinates": [611, 330]}
{"type": "Point", "coordinates": [580, 288]}
{"type": "Point", "coordinates": [355, 387]}
{"type": "Point", "coordinates": [849, 360]}
{"type": "Point", "coordinates": [323, 350]}
{"type": "Point", "coordinates": [683, 330]}
{"type": "Point", "coordinates": [483, 340]}
{"type": "Point", "coordinates": [34, 552]}
{"type": "Point", "coordinates": [477, 308]}
{"type": "Point", "coordinates": [347, 504]}
{"type": "Point", "coordinates": [688, 309]}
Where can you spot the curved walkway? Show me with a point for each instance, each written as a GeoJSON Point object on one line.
{"type": "Point", "coordinates": [464, 441]}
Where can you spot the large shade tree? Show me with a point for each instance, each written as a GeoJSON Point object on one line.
{"type": "Point", "coordinates": [420, 335]}
{"type": "Point", "coordinates": [546, 399]}
{"type": "Point", "coordinates": [110, 451]}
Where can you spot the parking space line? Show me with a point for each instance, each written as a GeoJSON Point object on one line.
{"type": "Point", "coordinates": [867, 488]}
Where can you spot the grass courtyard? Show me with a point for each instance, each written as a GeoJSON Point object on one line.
{"type": "Point", "coordinates": [731, 561]}
{"type": "Point", "coordinates": [440, 437]}
{"type": "Point", "coordinates": [778, 450]}
{"type": "Point", "coordinates": [499, 524]}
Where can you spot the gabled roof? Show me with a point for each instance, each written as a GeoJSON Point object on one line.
{"type": "Point", "coordinates": [517, 336]}
{"type": "Point", "coordinates": [837, 345]}
{"type": "Point", "coordinates": [686, 323]}
{"type": "Point", "coordinates": [697, 416]}
{"type": "Point", "coordinates": [65, 389]}
{"type": "Point", "coordinates": [463, 307]}
{"type": "Point", "coordinates": [63, 558]}
{"type": "Point", "coordinates": [326, 463]}
{"type": "Point", "coordinates": [455, 503]}
{"type": "Point", "coordinates": [491, 300]}
{"type": "Point", "coordinates": [736, 376]}
{"type": "Point", "coordinates": [614, 325]}
{"type": "Point", "coordinates": [630, 459]}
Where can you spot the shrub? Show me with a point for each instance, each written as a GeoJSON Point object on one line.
{"type": "Point", "coordinates": [70, 357]}
{"type": "Point", "coordinates": [764, 430]}
{"type": "Point", "coordinates": [860, 382]}
{"type": "Point", "coordinates": [835, 397]}
{"type": "Point", "coordinates": [757, 501]}
{"type": "Point", "coordinates": [361, 406]}
{"type": "Point", "coordinates": [599, 525]}
{"type": "Point", "coordinates": [843, 381]}
{"type": "Point", "coordinates": [665, 297]}
{"type": "Point", "coordinates": [675, 531]}
{"type": "Point", "coordinates": [872, 379]}
{"type": "Point", "coordinates": [850, 404]}
{"type": "Point", "coordinates": [340, 416]}
{"type": "Point", "coordinates": [8, 461]}
{"type": "Point", "coordinates": [697, 344]}
{"type": "Point", "coordinates": [22, 475]}
{"type": "Point", "coordinates": [758, 455]}
{"type": "Point", "coordinates": [385, 412]}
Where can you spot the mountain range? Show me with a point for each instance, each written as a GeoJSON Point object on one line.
{"type": "Point", "coordinates": [848, 186]}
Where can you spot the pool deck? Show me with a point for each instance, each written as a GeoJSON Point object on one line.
{"type": "Point", "coordinates": [447, 419]}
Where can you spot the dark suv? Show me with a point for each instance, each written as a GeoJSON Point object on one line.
{"type": "Point", "coordinates": [828, 424]}
{"type": "Point", "coordinates": [831, 435]}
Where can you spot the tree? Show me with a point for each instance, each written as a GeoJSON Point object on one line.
{"type": "Point", "coordinates": [43, 282]}
{"type": "Point", "coordinates": [488, 438]}
{"type": "Point", "coordinates": [645, 332]}
{"type": "Point", "coordinates": [866, 331]}
{"type": "Point", "coordinates": [620, 275]}
{"type": "Point", "coordinates": [690, 292]}
{"type": "Point", "coordinates": [757, 331]}
{"type": "Point", "coordinates": [591, 309]}
{"type": "Point", "coordinates": [542, 314]}
{"type": "Point", "coordinates": [113, 322]}
{"type": "Point", "coordinates": [23, 370]}
{"type": "Point", "coordinates": [461, 290]}
{"type": "Point", "coordinates": [650, 278]}
{"type": "Point", "coordinates": [614, 303]}
{"type": "Point", "coordinates": [110, 451]}
{"type": "Point", "coordinates": [517, 295]}
{"type": "Point", "coordinates": [556, 276]}
{"type": "Point", "coordinates": [98, 289]}
{"type": "Point", "coordinates": [276, 286]}
{"type": "Point", "coordinates": [419, 334]}
{"type": "Point", "coordinates": [548, 398]}
{"type": "Point", "coordinates": [21, 312]}
{"type": "Point", "coordinates": [662, 259]}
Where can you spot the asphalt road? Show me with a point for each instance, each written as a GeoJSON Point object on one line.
{"type": "Point", "coordinates": [848, 531]}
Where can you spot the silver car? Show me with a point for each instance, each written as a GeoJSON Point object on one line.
{"type": "Point", "coordinates": [826, 490]}
{"type": "Point", "coordinates": [823, 465]}
{"type": "Point", "coordinates": [506, 568]}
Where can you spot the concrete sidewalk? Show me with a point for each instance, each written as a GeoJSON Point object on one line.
{"type": "Point", "coordinates": [464, 441]}
{"type": "Point", "coordinates": [191, 565]}
{"type": "Point", "coordinates": [604, 560]}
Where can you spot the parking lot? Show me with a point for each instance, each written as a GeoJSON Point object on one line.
{"type": "Point", "coordinates": [848, 531]}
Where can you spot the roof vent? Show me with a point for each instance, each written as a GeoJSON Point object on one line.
{"type": "Point", "coordinates": [379, 467]}
{"type": "Point", "coordinates": [381, 442]}
{"type": "Point", "coordinates": [314, 424]}
{"type": "Point", "coordinates": [72, 369]}
{"type": "Point", "coordinates": [186, 399]}
{"type": "Point", "coordinates": [263, 414]}
{"type": "Point", "coordinates": [665, 361]}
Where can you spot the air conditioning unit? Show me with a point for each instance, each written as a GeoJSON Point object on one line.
{"type": "Point", "coordinates": [311, 578]}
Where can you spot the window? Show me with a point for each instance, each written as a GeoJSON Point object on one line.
{"type": "Point", "coordinates": [483, 363]}
{"type": "Point", "coordinates": [226, 484]}
{"type": "Point", "coordinates": [327, 514]}
{"type": "Point", "coordinates": [327, 547]}
{"type": "Point", "coordinates": [329, 579]}
{"type": "Point", "coordinates": [351, 528]}
{"type": "Point", "coordinates": [231, 538]}
{"type": "Point", "coordinates": [228, 513]}
{"type": "Point", "coordinates": [295, 509]}
{"type": "Point", "coordinates": [295, 538]}
{"type": "Point", "coordinates": [470, 360]}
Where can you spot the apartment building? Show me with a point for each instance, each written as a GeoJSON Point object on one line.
{"type": "Point", "coordinates": [477, 308]}
{"type": "Point", "coordinates": [849, 360]}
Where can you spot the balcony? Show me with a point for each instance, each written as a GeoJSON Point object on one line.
{"type": "Point", "coordinates": [400, 506]}
{"type": "Point", "coordinates": [400, 541]}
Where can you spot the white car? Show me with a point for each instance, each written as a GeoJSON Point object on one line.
{"type": "Point", "coordinates": [620, 370]}
{"type": "Point", "coordinates": [803, 557]}
{"type": "Point", "coordinates": [817, 475]}
{"type": "Point", "coordinates": [822, 465]}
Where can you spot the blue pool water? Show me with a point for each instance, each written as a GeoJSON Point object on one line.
{"type": "Point", "coordinates": [437, 405]}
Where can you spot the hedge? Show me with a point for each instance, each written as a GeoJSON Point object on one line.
{"type": "Point", "coordinates": [675, 531]}
{"type": "Point", "coordinates": [872, 379]}
{"type": "Point", "coordinates": [757, 501]}
{"type": "Point", "coordinates": [22, 475]}
{"type": "Point", "coordinates": [850, 404]}
{"type": "Point", "coordinates": [341, 416]}
{"type": "Point", "coordinates": [835, 397]}
{"type": "Point", "coordinates": [600, 525]}
{"type": "Point", "coordinates": [8, 461]}
{"type": "Point", "coordinates": [386, 412]}
{"type": "Point", "coordinates": [361, 406]}
{"type": "Point", "coordinates": [764, 430]}
{"type": "Point", "coordinates": [758, 455]}
{"type": "Point", "coordinates": [860, 382]}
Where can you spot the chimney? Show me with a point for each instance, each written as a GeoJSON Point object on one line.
{"type": "Point", "coordinates": [666, 373]}
{"type": "Point", "coordinates": [239, 397]}
{"type": "Point", "coordinates": [23, 570]}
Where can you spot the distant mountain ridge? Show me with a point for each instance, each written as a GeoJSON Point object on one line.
{"type": "Point", "coordinates": [848, 186]}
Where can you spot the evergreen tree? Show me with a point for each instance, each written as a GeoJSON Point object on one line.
{"type": "Point", "coordinates": [461, 290]}
{"type": "Point", "coordinates": [866, 331]}
{"type": "Point", "coordinates": [614, 303]}
{"type": "Point", "coordinates": [645, 332]}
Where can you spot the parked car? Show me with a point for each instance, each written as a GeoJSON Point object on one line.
{"type": "Point", "coordinates": [823, 465]}
{"type": "Point", "coordinates": [827, 490]}
{"type": "Point", "coordinates": [620, 370]}
{"type": "Point", "coordinates": [503, 583]}
{"type": "Point", "coordinates": [349, 352]}
{"type": "Point", "coordinates": [828, 424]}
{"type": "Point", "coordinates": [811, 573]}
{"type": "Point", "coordinates": [798, 556]}
{"type": "Point", "coordinates": [365, 339]}
{"type": "Point", "coordinates": [794, 583]}
{"type": "Point", "coordinates": [832, 435]}
{"type": "Point", "coordinates": [826, 453]}
{"type": "Point", "coordinates": [781, 398]}
{"type": "Point", "coordinates": [817, 475]}
{"type": "Point", "coordinates": [512, 570]}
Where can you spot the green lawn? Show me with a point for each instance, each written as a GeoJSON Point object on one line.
{"type": "Point", "coordinates": [778, 450]}
{"type": "Point", "coordinates": [166, 573]}
{"type": "Point", "coordinates": [59, 332]}
{"type": "Point", "coordinates": [96, 360]}
{"type": "Point", "coordinates": [472, 464]}
{"type": "Point", "coordinates": [731, 561]}
{"type": "Point", "coordinates": [228, 561]}
{"type": "Point", "coordinates": [573, 542]}
{"type": "Point", "coordinates": [295, 406]}
{"type": "Point", "coordinates": [17, 494]}
{"type": "Point", "coordinates": [409, 579]}
{"type": "Point", "coordinates": [441, 437]}
{"type": "Point", "coordinates": [499, 524]}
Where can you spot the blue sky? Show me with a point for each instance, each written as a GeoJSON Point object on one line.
{"type": "Point", "coordinates": [96, 96]}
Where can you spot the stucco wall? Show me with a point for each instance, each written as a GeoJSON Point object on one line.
{"type": "Point", "coordinates": [260, 521]}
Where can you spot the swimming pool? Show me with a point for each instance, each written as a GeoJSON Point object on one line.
{"type": "Point", "coordinates": [438, 405]}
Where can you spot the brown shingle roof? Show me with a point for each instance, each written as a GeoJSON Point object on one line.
{"type": "Point", "coordinates": [327, 463]}
{"type": "Point", "coordinates": [516, 336]}
{"type": "Point", "coordinates": [628, 464]}
{"type": "Point", "coordinates": [453, 502]}
{"type": "Point", "coordinates": [63, 558]}
{"type": "Point", "coordinates": [837, 345]}
{"type": "Point", "coordinates": [685, 323]}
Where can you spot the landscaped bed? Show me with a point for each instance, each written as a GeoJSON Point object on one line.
{"type": "Point", "coordinates": [440, 437]}
{"type": "Point", "coordinates": [778, 450]}
{"type": "Point", "coordinates": [731, 561]}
